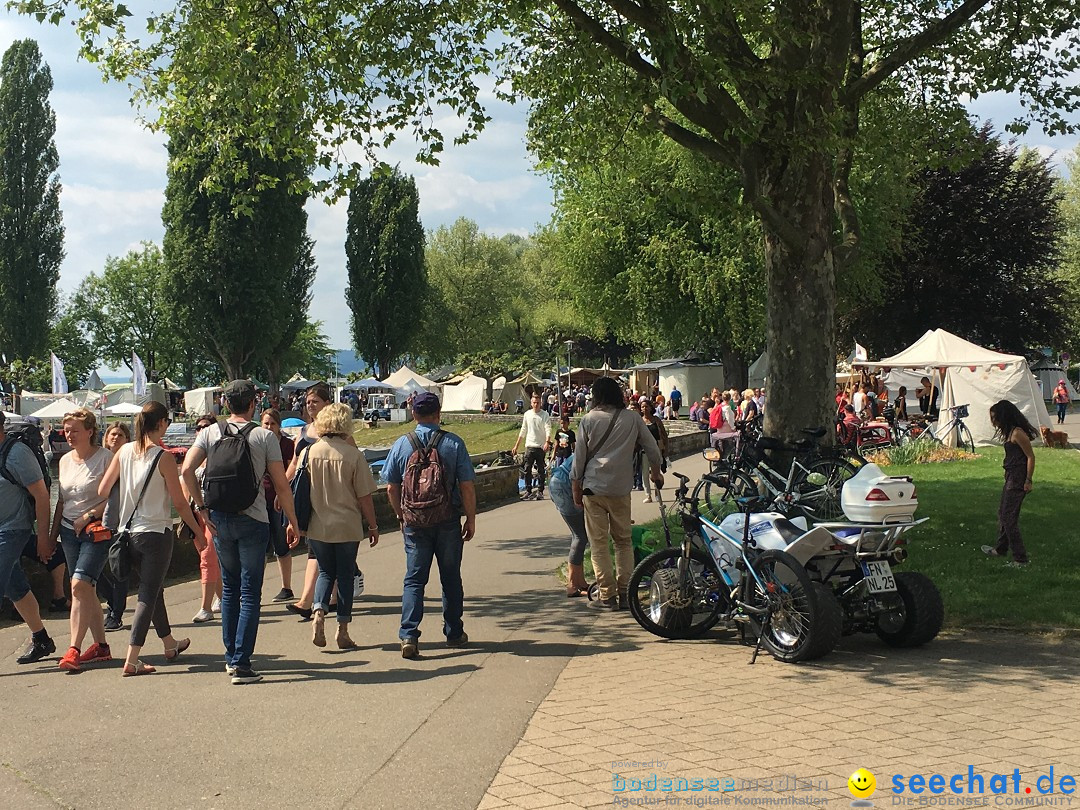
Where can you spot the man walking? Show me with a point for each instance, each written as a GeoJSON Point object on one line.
{"type": "Point", "coordinates": [23, 497]}
{"type": "Point", "coordinates": [602, 476]}
{"type": "Point", "coordinates": [241, 526]}
{"type": "Point", "coordinates": [536, 431]}
{"type": "Point", "coordinates": [431, 526]}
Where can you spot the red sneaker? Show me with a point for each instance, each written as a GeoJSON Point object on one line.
{"type": "Point", "coordinates": [96, 653]}
{"type": "Point", "coordinates": [70, 661]}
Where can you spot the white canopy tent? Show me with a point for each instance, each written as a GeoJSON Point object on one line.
{"type": "Point", "coordinates": [55, 409]}
{"type": "Point", "coordinates": [467, 395]}
{"type": "Point", "coordinates": [200, 401]}
{"type": "Point", "coordinates": [404, 374]}
{"type": "Point", "coordinates": [123, 409]}
{"type": "Point", "coordinates": [968, 374]}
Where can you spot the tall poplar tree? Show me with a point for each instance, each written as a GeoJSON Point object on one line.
{"type": "Point", "coordinates": [31, 227]}
{"type": "Point", "coordinates": [388, 281]}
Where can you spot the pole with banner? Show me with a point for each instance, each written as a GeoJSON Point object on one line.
{"type": "Point", "coordinates": [59, 380]}
{"type": "Point", "coordinates": [138, 371]}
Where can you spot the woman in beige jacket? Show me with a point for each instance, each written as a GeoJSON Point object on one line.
{"type": "Point", "coordinates": [341, 490]}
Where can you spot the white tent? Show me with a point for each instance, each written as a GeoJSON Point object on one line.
{"type": "Point", "coordinates": [55, 409]}
{"type": "Point", "coordinates": [467, 395]}
{"type": "Point", "coordinates": [404, 374]}
{"type": "Point", "coordinates": [521, 388]}
{"type": "Point", "coordinates": [200, 401]}
{"type": "Point", "coordinates": [970, 375]}
{"type": "Point", "coordinates": [758, 371]}
{"type": "Point", "coordinates": [1048, 373]}
{"type": "Point", "coordinates": [123, 409]}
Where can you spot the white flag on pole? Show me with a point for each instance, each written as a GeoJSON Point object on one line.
{"type": "Point", "coordinates": [860, 354]}
{"type": "Point", "coordinates": [139, 372]}
{"type": "Point", "coordinates": [59, 381]}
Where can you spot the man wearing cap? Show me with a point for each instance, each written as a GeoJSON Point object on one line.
{"type": "Point", "coordinates": [23, 497]}
{"type": "Point", "coordinates": [444, 542]}
{"type": "Point", "coordinates": [241, 538]}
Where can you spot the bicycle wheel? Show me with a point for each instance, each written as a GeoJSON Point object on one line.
{"type": "Point", "coordinates": [720, 491]}
{"type": "Point", "coordinates": [964, 440]}
{"type": "Point", "coordinates": [790, 634]}
{"type": "Point", "coordinates": [819, 486]}
{"type": "Point", "coordinates": [673, 605]}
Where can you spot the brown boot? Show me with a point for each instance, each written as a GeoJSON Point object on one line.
{"type": "Point", "coordinates": [342, 639]}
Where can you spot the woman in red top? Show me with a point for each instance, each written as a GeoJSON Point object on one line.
{"type": "Point", "coordinates": [1061, 399]}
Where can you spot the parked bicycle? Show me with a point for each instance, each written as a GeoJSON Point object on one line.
{"type": "Point", "coordinates": [810, 486]}
{"type": "Point", "coordinates": [955, 427]}
{"type": "Point", "coordinates": [683, 591]}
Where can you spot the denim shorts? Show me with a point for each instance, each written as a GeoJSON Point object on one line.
{"type": "Point", "coordinates": [85, 558]}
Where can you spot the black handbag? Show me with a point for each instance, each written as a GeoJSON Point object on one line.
{"type": "Point", "coordinates": [301, 493]}
{"type": "Point", "coordinates": [120, 550]}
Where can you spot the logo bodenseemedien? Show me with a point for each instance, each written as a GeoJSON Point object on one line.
{"type": "Point", "coordinates": [862, 785]}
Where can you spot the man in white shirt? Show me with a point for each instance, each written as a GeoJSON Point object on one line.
{"type": "Point", "coordinates": [536, 431]}
{"type": "Point", "coordinates": [858, 399]}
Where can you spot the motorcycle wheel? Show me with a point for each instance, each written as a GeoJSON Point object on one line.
{"type": "Point", "coordinates": [820, 499]}
{"type": "Point", "coordinates": [792, 632]}
{"type": "Point", "coordinates": [721, 491]}
{"type": "Point", "coordinates": [923, 611]}
{"type": "Point", "coordinates": [664, 606]}
{"type": "Point", "coordinates": [829, 625]}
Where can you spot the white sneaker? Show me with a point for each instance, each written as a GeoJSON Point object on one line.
{"type": "Point", "coordinates": [647, 500]}
{"type": "Point", "coordinates": [358, 583]}
{"type": "Point", "coordinates": [216, 606]}
{"type": "Point", "coordinates": [203, 616]}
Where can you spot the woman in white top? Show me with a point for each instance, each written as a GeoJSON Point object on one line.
{"type": "Point", "coordinates": [151, 527]}
{"type": "Point", "coordinates": [79, 505]}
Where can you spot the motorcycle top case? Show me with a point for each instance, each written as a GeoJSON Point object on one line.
{"type": "Point", "coordinates": [871, 496]}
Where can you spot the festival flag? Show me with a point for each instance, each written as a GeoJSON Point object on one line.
{"type": "Point", "coordinates": [59, 381]}
{"type": "Point", "coordinates": [139, 372]}
{"type": "Point", "coordinates": [860, 354]}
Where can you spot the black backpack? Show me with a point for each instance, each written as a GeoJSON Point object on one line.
{"type": "Point", "coordinates": [29, 434]}
{"type": "Point", "coordinates": [230, 480]}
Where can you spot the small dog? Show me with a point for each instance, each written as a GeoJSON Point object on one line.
{"type": "Point", "coordinates": [1055, 438]}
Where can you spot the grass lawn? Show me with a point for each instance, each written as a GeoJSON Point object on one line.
{"type": "Point", "coordinates": [961, 500]}
{"type": "Point", "coordinates": [479, 437]}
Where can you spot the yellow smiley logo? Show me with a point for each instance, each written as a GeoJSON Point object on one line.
{"type": "Point", "coordinates": [862, 784]}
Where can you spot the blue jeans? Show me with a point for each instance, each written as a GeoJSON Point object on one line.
{"type": "Point", "coordinates": [85, 558]}
{"type": "Point", "coordinates": [241, 548]}
{"type": "Point", "coordinates": [337, 563]}
{"type": "Point", "coordinates": [13, 582]}
{"type": "Point", "coordinates": [444, 544]}
{"type": "Point", "coordinates": [1061, 408]}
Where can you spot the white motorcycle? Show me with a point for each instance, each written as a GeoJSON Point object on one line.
{"type": "Point", "coordinates": [851, 563]}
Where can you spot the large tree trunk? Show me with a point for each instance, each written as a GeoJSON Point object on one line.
{"type": "Point", "coordinates": [802, 296]}
{"type": "Point", "coordinates": [736, 368]}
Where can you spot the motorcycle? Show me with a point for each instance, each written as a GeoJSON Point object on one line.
{"type": "Point", "coordinates": [853, 560]}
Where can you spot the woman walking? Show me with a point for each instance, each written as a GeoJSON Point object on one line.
{"type": "Point", "coordinates": [209, 569]}
{"type": "Point", "coordinates": [78, 506]}
{"type": "Point", "coordinates": [149, 490]}
{"type": "Point", "coordinates": [659, 432]}
{"type": "Point", "coordinates": [115, 589]}
{"type": "Point", "coordinates": [1061, 399]}
{"type": "Point", "coordinates": [271, 420]}
{"type": "Point", "coordinates": [1019, 464]}
{"type": "Point", "coordinates": [341, 503]}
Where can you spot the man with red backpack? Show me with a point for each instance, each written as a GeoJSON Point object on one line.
{"type": "Point", "coordinates": [429, 480]}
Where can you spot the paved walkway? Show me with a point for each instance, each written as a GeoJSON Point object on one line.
{"type": "Point", "coordinates": [545, 709]}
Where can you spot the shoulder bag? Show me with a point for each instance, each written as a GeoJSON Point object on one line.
{"type": "Point", "coordinates": [120, 550]}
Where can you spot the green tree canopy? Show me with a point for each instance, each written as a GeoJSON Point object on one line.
{"type": "Point", "coordinates": [31, 226]}
{"type": "Point", "coordinates": [980, 256]}
{"type": "Point", "coordinates": [384, 251]}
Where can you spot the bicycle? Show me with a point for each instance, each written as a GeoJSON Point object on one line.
{"type": "Point", "coordinates": [954, 426]}
{"type": "Point", "coordinates": [682, 591]}
{"type": "Point", "coordinates": [810, 487]}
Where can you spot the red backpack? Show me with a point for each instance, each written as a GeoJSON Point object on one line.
{"type": "Point", "coordinates": [425, 495]}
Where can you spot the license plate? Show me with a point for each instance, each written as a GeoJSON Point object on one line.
{"type": "Point", "coordinates": [879, 577]}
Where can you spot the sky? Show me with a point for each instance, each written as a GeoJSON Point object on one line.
{"type": "Point", "coordinates": [113, 174]}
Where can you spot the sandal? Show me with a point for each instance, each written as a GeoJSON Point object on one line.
{"type": "Point", "coordinates": [172, 653]}
{"type": "Point", "coordinates": [571, 593]}
{"type": "Point", "coordinates": [318, 629]}
{"type": "Point", "coordinates": [990, 551]}
{"type": "Point", "coordinates": [138, 668]}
